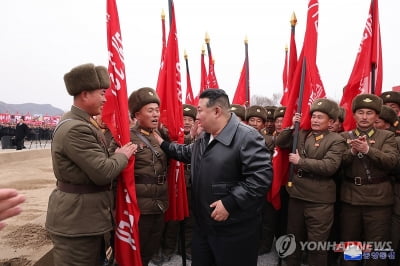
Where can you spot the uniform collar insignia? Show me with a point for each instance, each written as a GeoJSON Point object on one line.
{"type": "Point", "coordinates": [368, 133]}
{"type": "Point", "coordinates": [145, 132]}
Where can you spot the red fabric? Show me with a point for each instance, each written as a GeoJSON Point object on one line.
{"type": "Point", "coordinates": [240, 96]}
{"type": "Point", "coordinates": [369, 54]}
{"type": "Point", "coordinates": [211, 78]}
{"type": "Point", "coordinates": [189, 91]}
{"type": "Point", "coordinates": [115, 115]}
{"type": "Point", "coordinates": [203, 79]}
{"type": "Point", "coordinates": [292, 63]}
{"type": "Point", "coordinates": [170, 93]}
{"type": "Point", "coordinates": [313, 89]}
{"type": "Point", "coordinates": [285, 79]}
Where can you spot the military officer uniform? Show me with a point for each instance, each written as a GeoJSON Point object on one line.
{"type": "Point", "coordinates": [239, 110]}
{"type": "Point", "coordinates": [313, 190]}
{"type": "Point", "coordinates": [367, 192]}
{"type": "Point", "coordinates": [80, 208]}
{"type": "Point", "coordinates": [150, 177]}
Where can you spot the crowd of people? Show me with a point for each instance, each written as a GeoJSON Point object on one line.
{"type": "Point", "coordinates": [345, 184]}
{"type": "Point", "coordinates": [15, 133]}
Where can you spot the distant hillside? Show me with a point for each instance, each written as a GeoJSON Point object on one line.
{"type": "Point", "coordinates": [31, 108]}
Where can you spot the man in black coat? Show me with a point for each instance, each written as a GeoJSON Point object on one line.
{"type": "Point", "coordinates": [21, 131]}
{"type": "Point", "coordinates": [231, 174]}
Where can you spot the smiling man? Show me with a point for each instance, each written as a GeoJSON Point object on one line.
{"type": "Point", "coordinates": [313, 193]}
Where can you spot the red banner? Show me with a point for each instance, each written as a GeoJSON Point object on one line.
{"type": "Point", "coordinates": [115, 115]}
{"type": "Point", "coordinates": [170, 93]}
{"type": "Point", "coordinates": [368, 64]}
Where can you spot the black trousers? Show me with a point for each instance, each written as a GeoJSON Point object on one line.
{"type": "Point", "coordinates": [238, 248]}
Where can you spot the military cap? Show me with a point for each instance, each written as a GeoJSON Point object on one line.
{"type": "Point", "coordinates": [256, 111]}
{"type": "Point", "coordinates": [391, 97]}
{"type": "Point", "coordinates": [369, 101]}
{"type": "Point", "coordinates": [270, 111]}
{"type": "Point", "coordinates": [388, 114]}
{"type": "Point", "coordinates": [189, 110]}
{"type": "Point", "coordinates": [326, 106]}
{"type": "Point", "coordinates": [342, 114]}
{"type": "Point", "coordinates": [279, 112]}
{"type": "Point", "coordinates": [239, 110]}
{"type": "Point", "coordinates": [140, 98]}
{"type": "Point", "coordinates": [86, 77]}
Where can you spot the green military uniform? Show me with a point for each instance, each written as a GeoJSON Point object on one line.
{"type": "Point", "coordinates": [79, 209]}
{"type": "Point", "coordinates": [313, 190]}
{"type": "Point", "coordinates": [366, 191]}
{"type": "Point", "coordinates": [150, 177]}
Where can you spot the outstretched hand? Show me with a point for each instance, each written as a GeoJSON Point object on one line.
{"type": "Point", "coordinates": [10, 200]}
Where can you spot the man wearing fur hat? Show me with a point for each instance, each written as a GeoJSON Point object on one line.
{"type": "Point", "coordinates": [150, 170]}
{"type": "Point", "coordinates": [79, 209]}
{"type": "Point", "coordinates": [270, 122]}
{"type": "Point", "coordinates": [313, 191]}
{"type": "Point", "coordinates": [240, 111]}
{"type": "Point", "coordinates": [256, 116]}
{"type": "Point", "coordinates": [366, 192]}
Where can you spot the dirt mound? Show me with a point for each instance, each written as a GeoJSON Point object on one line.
{"type": "Point", "coordinates": [28, 236]}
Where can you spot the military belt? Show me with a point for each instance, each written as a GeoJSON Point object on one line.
{"type": "Point", "coordinates": [359, 181]}
{"type": "Point", "coordinates": [158, 180]}
{"type": "Point", "coordinates": [81, 188]}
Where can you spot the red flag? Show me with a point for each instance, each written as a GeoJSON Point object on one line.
{"type": "Point", "coordinates": [242, 93]}
{"type": "Point", "coordinates": [292, 60]}
{"type": "Point", "coordinates": [189, 92]}
{"type": "Point", "coordinates": [285, 78]}
{"type": "Point", "coordinates": [366, 76]}
{"type": "Point", "coordinates": [115, 115]}
{"type": "Point", "coordinates": [203, 77]}
{"type": "Point", "coordinates": [163, 45]}
{"type": "Point", "coordinates": [170, 93]}
{"type": "Point", "coordinates": [313, 89]}
{"type": "Point", "coordinates": [211, 77]}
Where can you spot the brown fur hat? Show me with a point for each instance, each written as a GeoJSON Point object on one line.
{"type": "Point", "coordinates": [369, 101]}
{"type": "Point", "coordinates": [256, 111]}
{"type": "Point", "coordinates": [388, 114]}
{"type": "Point", "coordinates": [326, 106]}
{"type": "Point", "coordinates": [86, 77]}
{"type": "Point", "coordinates": [189, 110]}
{"type": "Point", "coordinates": [279, 112]}
{"type": "Point", "coordinates": [270, 111]}
{"type": "Point", "coordinates": [140, 98]}
{"type": "Point", "coordinates": [239, 110]}
{"type": "Point", "coordinates": [391, 97]}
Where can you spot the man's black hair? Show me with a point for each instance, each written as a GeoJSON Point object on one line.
{"type": "Point", "coordinates": [216, 96]}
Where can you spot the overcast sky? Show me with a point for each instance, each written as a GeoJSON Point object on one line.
{"type": "Point", "coordinates": [41, 40]}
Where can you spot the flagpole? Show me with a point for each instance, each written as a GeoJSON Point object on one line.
{"type": "Point", "coordinates": [373, 67]}
{"type": "Point", "coordinates": [207, 40]}
{"type": "Point", "coordinates": [297, 124]}
{"type": "Point", "coordinates": [246, 45]}
{"type": "Point", "coordinates": [170, 11]}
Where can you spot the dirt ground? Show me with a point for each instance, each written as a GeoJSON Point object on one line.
{"type": "Point", "coordinates": [24, 240]}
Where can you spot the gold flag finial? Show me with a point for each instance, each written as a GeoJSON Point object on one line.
{"type": "Point", "coordinates": [203, 50]}
{"type": "Point", "coordinates": [246, 40]}
{"type": "Point", "coordinates": [207, 38]}
{"type": "Point", "coordinates": [293, 20]}
{"type": "Point", "coordinates": [162, 14]}
{"type": "Point", "coordinates": [185, 54]}
{"type": "Point", "coordinates": [286, 48]}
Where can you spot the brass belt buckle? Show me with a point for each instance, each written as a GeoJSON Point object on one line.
{"type": "Point", "coordinates": [357, 181]}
